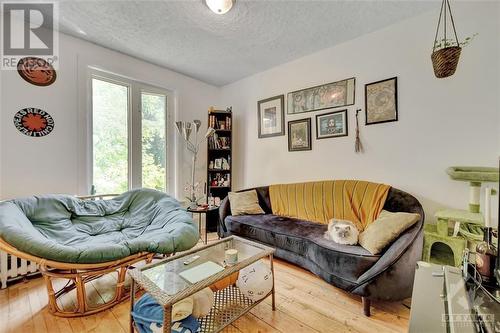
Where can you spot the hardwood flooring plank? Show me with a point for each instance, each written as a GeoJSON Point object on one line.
{"type": "Point", "coordinates": [251, 324]}
{"type": "Point", "coordinates": [304, 311]}
{"type": "Point", "coordinates": [382, 308]}
{"type": "Point", "coordinates": [330, 307]}
{"type": "Point", "coordinates": [19, 318]}
{"type": "Point", "coordinates": [121, 312]}
{"type": "Point", "coordinates": [280, 320]}
{"type": "Point", "coordinates": [4, 310]}
{"type": "Point", "coordinates": [36, 308]}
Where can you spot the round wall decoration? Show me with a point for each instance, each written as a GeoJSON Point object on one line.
{"type": "Point", "coordinates": [36, 71]}
{"type": "Point", "coordinates": [33, 122]}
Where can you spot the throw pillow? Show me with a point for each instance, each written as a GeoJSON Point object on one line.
{"type": "Point", "coordinates": [244, 203]}
{"type": "Point", "coordinates": [385, 229]}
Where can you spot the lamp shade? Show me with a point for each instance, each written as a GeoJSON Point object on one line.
{"type": "Point", "coordinates": [197, 124]}
{"type": "Point", "coordinates": [180, 126]}
{"type": "Point", "coordinates": [186, 132]}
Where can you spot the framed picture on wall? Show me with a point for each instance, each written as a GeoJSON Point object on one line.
{"type": "Point", "coordinates": [381, 101]}
{"type": "Point", "coordinates": [331, 124]}
{"type": "Point", "coordinates": [325, 96]}
{"type": "Point", "coordinates": [299, 135]}
{"type": "Point", "coordinates": [271, 112]}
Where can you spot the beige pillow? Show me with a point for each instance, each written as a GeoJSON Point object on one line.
{"type": "Point", "coordinates": [245, 203]}
{"type": "Point", "coordinates": [385, 229]}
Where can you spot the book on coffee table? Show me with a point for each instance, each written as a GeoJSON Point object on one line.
{"type": "Point", "coordinates": [201, 272]}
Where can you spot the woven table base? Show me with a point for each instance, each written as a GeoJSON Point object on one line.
{"type": "Point", "coordinates": [229, 305]}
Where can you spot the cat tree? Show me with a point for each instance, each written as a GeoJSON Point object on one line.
{"type": "Point", "coordinates": [444, 248]}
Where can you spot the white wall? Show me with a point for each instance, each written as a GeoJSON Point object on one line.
{"type": "Point", "coordinates": [452, 121]}
{"type": "Point", "coordinates": [443, 122]}
{"type": "Point", "coordinates": [55, 163]}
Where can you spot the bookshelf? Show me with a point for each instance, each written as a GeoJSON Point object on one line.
{"type": "Point", "coordinates": [219, 160]}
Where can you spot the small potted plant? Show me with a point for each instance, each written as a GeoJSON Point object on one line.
{"type": "Point", "coordinates": [446, 54]}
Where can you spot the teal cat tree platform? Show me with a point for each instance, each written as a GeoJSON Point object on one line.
{"type": "Point", "coordinates": [445, 246]}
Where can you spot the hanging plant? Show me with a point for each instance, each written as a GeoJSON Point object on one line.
{"type": "Point", "coordinates": [445, 52]}
{"type": "Point", "coordinates": [441, 44]}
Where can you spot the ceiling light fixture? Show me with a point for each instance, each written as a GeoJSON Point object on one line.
{"type": "Point", "coordinates": [220, 6]}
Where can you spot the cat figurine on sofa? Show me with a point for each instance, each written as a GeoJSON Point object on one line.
{"type": "Point", "coordinates": [342, 232]}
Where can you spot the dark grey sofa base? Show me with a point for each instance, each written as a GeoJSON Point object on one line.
{"type": "Point", "coordinates": [389, 277]}
{"type": "Point", "coordinates": [383, 287]}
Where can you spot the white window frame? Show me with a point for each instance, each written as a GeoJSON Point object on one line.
{"type": "Point", "coordinates": [134, 131]}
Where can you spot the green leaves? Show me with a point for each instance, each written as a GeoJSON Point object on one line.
{"type": "Point", "coordinates": [448, 42]}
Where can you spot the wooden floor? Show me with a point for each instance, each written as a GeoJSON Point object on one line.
{"type": "Point", "coordinates": [305, 303]}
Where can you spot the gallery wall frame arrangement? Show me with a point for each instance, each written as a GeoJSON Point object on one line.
{"type": "Point", "coordinates": [271, 116]}
{"type": "Point", "coordinates": [381, 101]}
{"type": "Point", "coordinates": [332, 124]}
{"type": "Point", "coordinates": [325, 96]}
{"type": "Point", "coordinates": [299, 135]}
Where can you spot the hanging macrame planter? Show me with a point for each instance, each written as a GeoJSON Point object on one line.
{"type": "Point", "coordinates": [446, 52]}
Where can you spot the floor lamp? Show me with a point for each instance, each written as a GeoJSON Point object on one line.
{"type": "Point", "coordinates": [185, 129]}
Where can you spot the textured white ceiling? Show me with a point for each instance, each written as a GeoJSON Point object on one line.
{"type": "Point", "coordinates": [187, 37]}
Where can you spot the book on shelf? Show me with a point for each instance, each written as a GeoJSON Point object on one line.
{"type": "Point", "coordinates": [217, 142]}
{"type": "Point", "coordinates": [219, 124]}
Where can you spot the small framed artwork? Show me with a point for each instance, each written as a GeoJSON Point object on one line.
{"type": "Point", "coordinates": [325, 96]}
{"type": "Point", "coordinates": [299, 135]}
{"type": "Point", "coordinates": [271, 116]}
{"type": "Point", "coordinates": [218, 163]}
{"type": "Point", "coordinates": [331, 125]}
{"type": "Point", "coordinates": [381, 101]}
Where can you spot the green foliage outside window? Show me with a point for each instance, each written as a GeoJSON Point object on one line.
{"type": "Point", "coordinates": [110, 138]}
{"type": "Point", "coordinates": [153, 142]}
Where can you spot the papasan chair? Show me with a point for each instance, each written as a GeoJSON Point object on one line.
{"type": "Point", "coordinates": [81, 240]}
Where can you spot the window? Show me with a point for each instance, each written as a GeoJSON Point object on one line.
{"type": "Point", "coordinates": [110, 104]}
{"type": "Point", "coordinates": [154, 148]}
{"type": "Point", "coordinates": [129, 135]}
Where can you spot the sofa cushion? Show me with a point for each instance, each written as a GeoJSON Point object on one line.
{"type": "Point", "coordinates": [245, 203]}
{"type": "Point", "coordinates": [347, 262]}
{"type": "Point", "coordinates": [385, 229]}
{"type": "Point", "coordinates": [66, 229]}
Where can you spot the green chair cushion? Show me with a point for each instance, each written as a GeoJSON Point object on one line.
{"type": "Point", "coordinates": [66, 229]}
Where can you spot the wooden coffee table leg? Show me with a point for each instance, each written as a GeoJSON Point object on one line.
{"type": "Point", "coordinates": [272, 291]}
{"type": "Point", "coordinates": [132, 301]}
{"type": "Point", "coordinates": [167, 319]}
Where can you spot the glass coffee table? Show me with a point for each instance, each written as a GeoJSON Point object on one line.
{"type": "Point", "coordinates": [163, 282]}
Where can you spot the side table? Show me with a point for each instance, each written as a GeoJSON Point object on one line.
{"type": "Point", "coordinates": [201, 211]}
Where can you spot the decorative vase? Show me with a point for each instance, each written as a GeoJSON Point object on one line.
{"type": "Point", "coordinates": [445, 61]}
{"type": "Point", "coordinates": [193, 205]}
